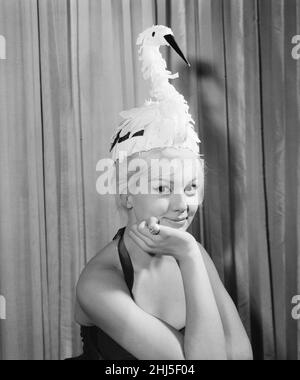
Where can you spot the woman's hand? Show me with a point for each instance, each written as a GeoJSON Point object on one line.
{"type": "Point", "coordinates": [170, 241]}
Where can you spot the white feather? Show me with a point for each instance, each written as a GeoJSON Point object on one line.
{"type": "Point", "coordinates": [165, 117]}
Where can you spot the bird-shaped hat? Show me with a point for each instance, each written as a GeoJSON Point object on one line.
{"type": "Point", "coordinates": [164, 120]}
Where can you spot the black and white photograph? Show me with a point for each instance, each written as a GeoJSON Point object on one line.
{"type": "Point", "coordinates": [149, 182]}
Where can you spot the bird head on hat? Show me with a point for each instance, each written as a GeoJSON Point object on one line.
{"type": "Point", "coordinates": [164, 119]}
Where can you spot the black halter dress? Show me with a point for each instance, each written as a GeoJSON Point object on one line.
{"type": "Point", "coordinates": [97, 345]}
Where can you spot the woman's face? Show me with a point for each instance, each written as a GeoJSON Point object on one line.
{"type": "Point", "coordinates": [174, 193]}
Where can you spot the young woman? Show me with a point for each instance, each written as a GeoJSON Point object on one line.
{"type": "Point", "coordinates": [153, 293]}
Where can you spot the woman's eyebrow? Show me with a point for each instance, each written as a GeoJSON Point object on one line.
{"type": "Point", "coordinates": [160, 178]}
{"type": "Point", "coordinates": [193, 180]}
{"type": "Point", "coordinates": [170, 180]}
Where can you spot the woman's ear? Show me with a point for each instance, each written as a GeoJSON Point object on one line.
{"type": "Point", "coordinates": [129, 203]}
{"type": "Point", "coordinates": [126, 201]}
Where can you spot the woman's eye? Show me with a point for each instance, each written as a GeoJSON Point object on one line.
{"type": "Point", "coordinates": [192, 189]}
{"type": "Point", "coordinates": [163, 189]}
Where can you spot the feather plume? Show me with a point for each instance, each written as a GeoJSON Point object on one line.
{"type": "Point", "coordinates": [165, 117]}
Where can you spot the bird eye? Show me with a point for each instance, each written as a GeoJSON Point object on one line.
{"type": "Point", "coordinates": [153, 34]}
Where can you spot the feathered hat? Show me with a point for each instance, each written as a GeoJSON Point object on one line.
{"type": "Point", "coordinates": [164, 120]}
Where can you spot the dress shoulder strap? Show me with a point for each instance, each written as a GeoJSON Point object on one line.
{"type": "Point", "coordinates": [125, 260]}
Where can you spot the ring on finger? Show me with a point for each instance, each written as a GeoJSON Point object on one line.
{"type": "Point", "coordinates": [154, 230]}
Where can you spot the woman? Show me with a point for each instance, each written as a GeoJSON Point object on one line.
{"type": "Point", "coordinates": [153, 293]}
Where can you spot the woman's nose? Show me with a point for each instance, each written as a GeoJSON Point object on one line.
{"type": "Point", "coordinates": [179, 203]}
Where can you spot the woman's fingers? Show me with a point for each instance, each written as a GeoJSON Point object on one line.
{"type": "Point", "coordinates": [139, 242]}
{"type": "Point", "coordinates": [153, 230]}
{"type": "Point", "coordinates": [153, 226]}
{"type": "Point", "coordinates": [138, 232]}
{"type": "Point", "coordinates": [146, 228]}
{"type": "Point", "coordinates": [145, 231]}
{"type": "Point", "coordinates": [152, 221]}
{"type": "Point", "coordinates": [165, 231]}
{"type": "Point", "coordinates": [169, 241]}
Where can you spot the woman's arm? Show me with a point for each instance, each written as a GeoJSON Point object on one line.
{"type": "Point", "coordinates": [238, 346]}
{"type": "Point", "coordinates": [204, 336]}
{"type": "Point", "coordinates": [104, 297]}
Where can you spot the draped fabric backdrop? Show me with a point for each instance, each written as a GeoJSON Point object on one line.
{"type": "Point", "coordinates": [71, 67]}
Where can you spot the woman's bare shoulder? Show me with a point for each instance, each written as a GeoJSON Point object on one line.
{"type": "Point", "coordinates": [106, 258]}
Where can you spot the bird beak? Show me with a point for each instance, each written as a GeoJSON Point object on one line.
{"type": "Point", "coordinates": [171, 41]}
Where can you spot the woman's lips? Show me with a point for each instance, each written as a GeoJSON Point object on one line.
{"type": "Point", "coordinates": [176, 222]}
